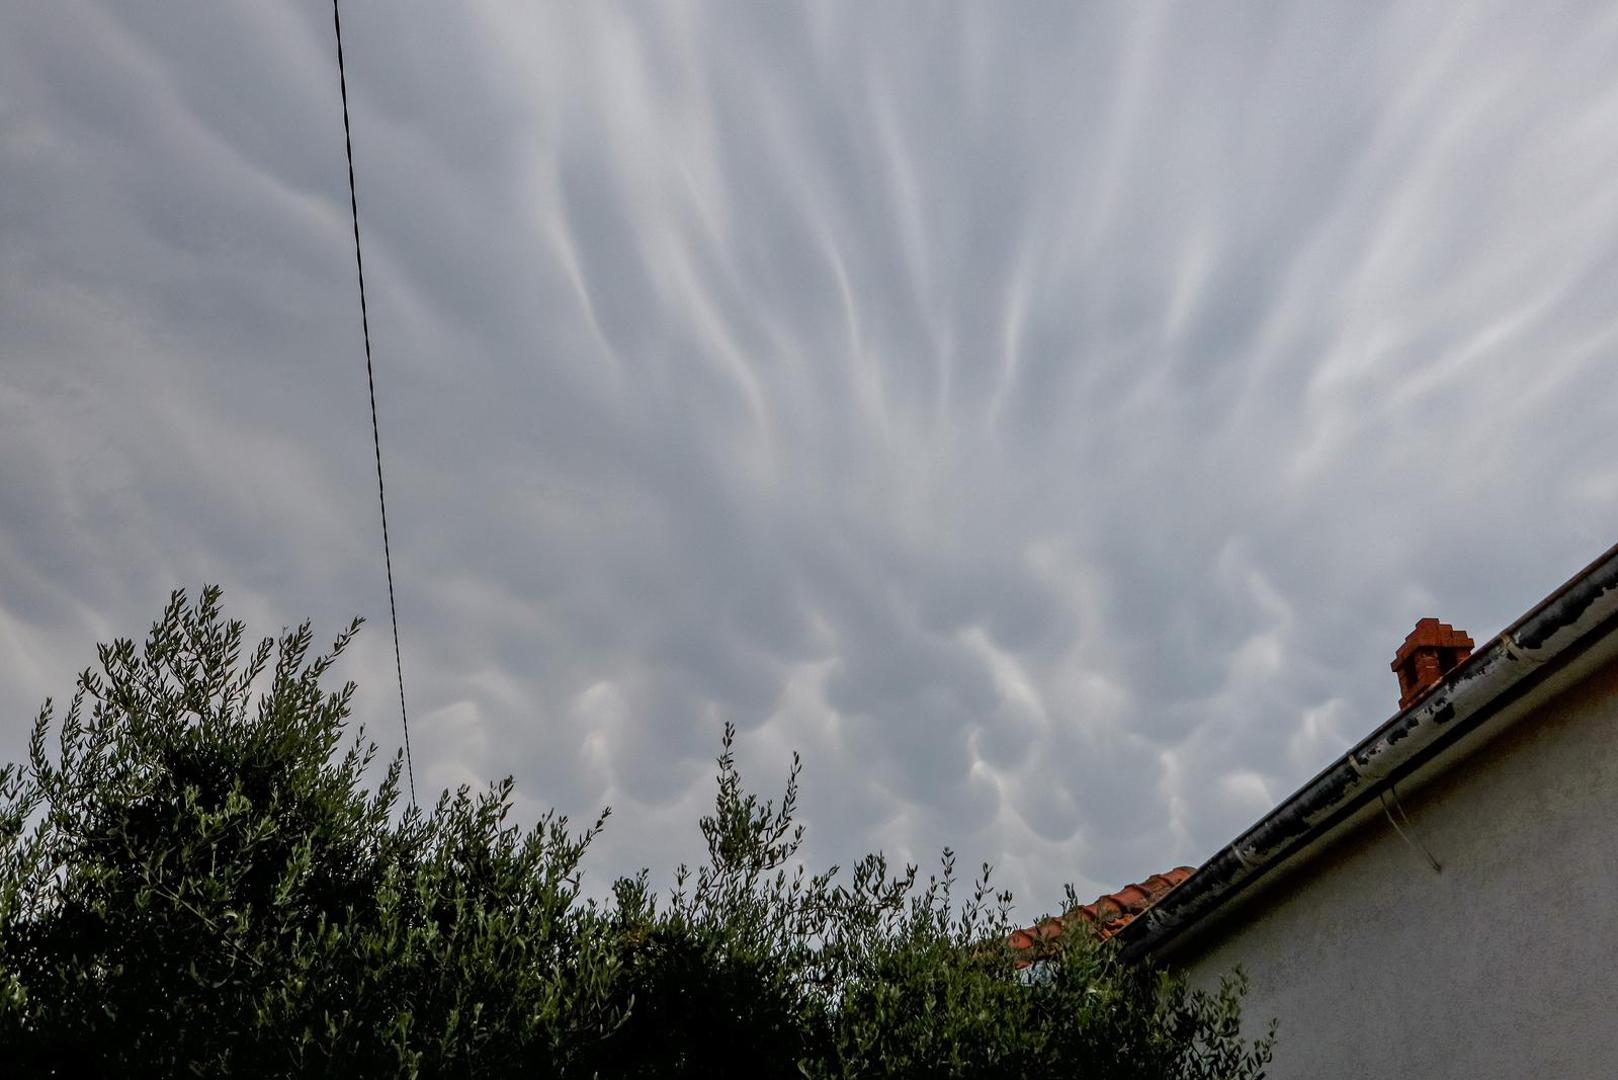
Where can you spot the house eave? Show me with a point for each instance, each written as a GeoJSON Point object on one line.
{"type": "Point", "coordinates": [1562, 627]}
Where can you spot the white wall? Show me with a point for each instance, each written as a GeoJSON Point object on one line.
{"type": "Point", "coordinates": [1503, 965]}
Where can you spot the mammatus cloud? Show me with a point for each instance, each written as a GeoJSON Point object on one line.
{"type": "Point", "coordinates": [1049, 420]}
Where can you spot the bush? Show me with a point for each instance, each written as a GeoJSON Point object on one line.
{"type": "Point", "coordinates": [195, 877]}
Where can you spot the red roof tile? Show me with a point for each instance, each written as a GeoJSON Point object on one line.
{"type": "Point", "coordinates": [1108, 914]}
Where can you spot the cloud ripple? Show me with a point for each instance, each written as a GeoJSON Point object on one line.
{"type": "Point", "coordinates": [1049, 419]}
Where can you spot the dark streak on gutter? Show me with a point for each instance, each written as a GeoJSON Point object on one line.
{"type": "Point", "coordinates": [1559, 628]}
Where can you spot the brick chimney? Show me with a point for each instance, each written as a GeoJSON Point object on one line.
{"type": "Point", "coordinates": [1431, 651]}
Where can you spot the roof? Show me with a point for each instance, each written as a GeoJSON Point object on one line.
{"type": "Point", "coordinates": [1110, 912]}
{"type": "Point", "coordinates": [1578, 618]}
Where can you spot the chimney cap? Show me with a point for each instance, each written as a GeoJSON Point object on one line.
{"type": "Point", "coordinates": [1430, 633]}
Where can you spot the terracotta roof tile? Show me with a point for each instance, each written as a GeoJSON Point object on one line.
{"type": "Point", "coordinates": [1108, 914]}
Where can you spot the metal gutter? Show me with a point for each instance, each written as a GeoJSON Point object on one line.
{"type": "Point", "coordinates": [1559, 628]}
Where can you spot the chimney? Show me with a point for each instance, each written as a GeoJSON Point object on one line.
{"type": "Point", "coordinates": [1431, 651]}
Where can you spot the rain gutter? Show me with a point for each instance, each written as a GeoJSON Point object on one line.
{"type": "Point", "coordinates": [1560, 628]}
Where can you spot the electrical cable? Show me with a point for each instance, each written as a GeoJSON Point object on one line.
{"type": "Point", "coordinates": [1408, 837]}
{"type": "Point", "coordinates": [370, 379]}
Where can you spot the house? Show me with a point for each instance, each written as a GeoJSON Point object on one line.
{"type": "Point", "coordinates": [1441, 900]}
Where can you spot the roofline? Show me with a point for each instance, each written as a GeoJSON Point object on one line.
{"type": "Point", "coordinates": [1555, 631]}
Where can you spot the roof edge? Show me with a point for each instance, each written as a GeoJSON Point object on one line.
{"type": "Point", "coordinates": [1556, 630]}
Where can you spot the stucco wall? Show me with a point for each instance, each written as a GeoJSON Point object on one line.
{"type": "Point", "coordinates": [1503, 965]}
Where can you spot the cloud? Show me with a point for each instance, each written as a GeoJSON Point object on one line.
{"type": "Point", "coordinates": [1048, 420]}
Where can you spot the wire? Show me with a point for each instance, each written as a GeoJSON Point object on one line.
{"type": "Point", "coordinates": [1408, 837]}
{"type": "Point", "coordinates": [370, 380]}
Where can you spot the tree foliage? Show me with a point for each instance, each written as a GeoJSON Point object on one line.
{"type": "Point", "coordinates": [196, 877]}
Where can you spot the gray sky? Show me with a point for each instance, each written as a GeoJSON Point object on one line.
{"type": "Point", "coordinates": [1048, 418]}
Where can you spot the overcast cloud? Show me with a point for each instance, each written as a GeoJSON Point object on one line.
{"type": "Point", "coordinates": [1048, 418]}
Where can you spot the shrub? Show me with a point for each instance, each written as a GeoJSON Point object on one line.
{"type": "Point", "coordinates": [196, 878]}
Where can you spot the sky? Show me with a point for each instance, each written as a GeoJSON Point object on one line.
{"type": "Point", "coordinates": [1048, 419]}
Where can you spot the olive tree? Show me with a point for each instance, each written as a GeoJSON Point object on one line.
{"type": "Point", "coordinates": [197, 876]}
